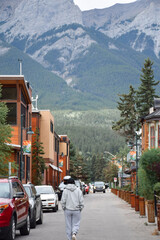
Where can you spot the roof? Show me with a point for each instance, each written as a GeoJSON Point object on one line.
{"type": "Point", "coordinates": [153, 116]}
{"type": "Point", "coordinates": [13, 79]}
{"type": "Point", "coordinates": [55, 168]}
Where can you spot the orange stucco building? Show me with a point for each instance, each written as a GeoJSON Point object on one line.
{"type": "Point", "coordinates": [44, 121]}
{"type": "Point", "coordinates": [16, 93]}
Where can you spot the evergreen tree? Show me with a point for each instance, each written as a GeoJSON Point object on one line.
{"type": "Point", "coordinates": [38, 162]}
{"type": "Point", "coordinates": [110, 172]}
{"type": "Point", "coordinates": [126, 126]}
{"type": "Point", "coordinates": [5, 135]}
{"type": "Point", "coordinates": [146, 91]}
{"type": "Point", "coordinates": [73, 164]}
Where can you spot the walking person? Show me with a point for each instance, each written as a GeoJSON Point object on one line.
{"type": "Point", "coordinates": [72, 204]}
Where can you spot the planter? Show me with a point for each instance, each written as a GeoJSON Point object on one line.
{"type": "Point", "coordinates": [129, 200]}
{"type": "Point", "coordinates": [132, 200]}
{"type": "Point", "coordinates": [137, 203]}
{"type": "Point", "coordinates": [150, 211]}
{"type": "Point", "coordinates": [142, 210]}
{"type": "Point", "coordinates": [158, 215]}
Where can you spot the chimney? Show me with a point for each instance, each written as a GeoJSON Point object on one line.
{"type": "Point", "coordinates": [20, 66]}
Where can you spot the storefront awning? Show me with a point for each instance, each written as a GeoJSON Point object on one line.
{"type": "Point", "coordinates": [14, 146]}
{"type": "Point", "coordinates": [55, 168]}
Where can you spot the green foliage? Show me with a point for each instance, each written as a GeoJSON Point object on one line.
{"type": "Point", "coordinates": [157, 188]}
{"type": "Point", "coordinates": [110, 172]}
{"type": "Point", "coordinates": [145, 187]}
{"type": "Point", "coordinates": [146, 91]}
{"type": "Point", "coordinates": [5, 135]}
{"type": "Point", "coordinates": [90, 131]}
{"type": "Point", "coordinates": [149, 172]}
{"type": "Point", "coordinates": [38, 162]}
{"type": "Point", "coordinates": [127, 124]}
{"type": "Point", "coordinates": [127, 187]}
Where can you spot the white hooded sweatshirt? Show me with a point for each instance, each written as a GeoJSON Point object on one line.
{"type": "Point", "coordinates": [72, 198]}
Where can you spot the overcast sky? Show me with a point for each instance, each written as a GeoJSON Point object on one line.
{"type": "Point", "coordinates": [91, 4]}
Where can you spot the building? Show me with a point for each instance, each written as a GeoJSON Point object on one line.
{"type": "Point", "coordinates": [64, 160]}
{"type": "Point", "coordinates": [44, 121]}
{"type": "Point", "coordinates": [151, 128]}
{"type": "Point", "coordinates": [17, 93]}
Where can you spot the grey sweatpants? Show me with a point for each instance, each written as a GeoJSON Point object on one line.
{"type": "Point", "coordinates": [72, 219]}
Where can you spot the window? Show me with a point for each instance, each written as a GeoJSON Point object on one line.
{"type": "Point", "coordinates": [9, 93]}
{"type": "Point", "coordinates": [51, 126]}
{"type": "Point", "coordinates": [23, 98]}
{"type": "Point", "coordinates": [23, 112]}
{"type": "Point", "coordinates": [16, 187]}
{"type": "Point", "coordinates": [12, 113]}
{"type": "Point", "coordinates": [159, 136]}
{"type": "Point", "coordinates": [152, 137]}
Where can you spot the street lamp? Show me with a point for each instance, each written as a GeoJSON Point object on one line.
{"type": "Point", "coordinates": [30, 132]}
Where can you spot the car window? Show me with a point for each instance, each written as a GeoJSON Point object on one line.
{"type": "Point", "coordinates": [4, 190]}
{"type": "Point", "coordinates": [33, 190]}
{"type": "Point", "coordinates": [44, 190]}
{"type": "Point", "coordinates": [99, 183]}
{"type": "Point", "coordinates": [16, 187]}
{"type": "Point", "coordinates": [28, 191]}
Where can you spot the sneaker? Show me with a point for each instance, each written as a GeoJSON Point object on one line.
{"type": "Point", "coordinates": [74, 237]}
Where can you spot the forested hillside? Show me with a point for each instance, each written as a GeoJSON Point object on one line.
{"type": "Point", "coordinates": [89, 131]}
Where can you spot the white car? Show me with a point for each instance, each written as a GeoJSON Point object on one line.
{"type": "Point", "coordinates": [48, 196]}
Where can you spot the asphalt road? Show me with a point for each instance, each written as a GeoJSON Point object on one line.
{"type": "Point", "coordinates": [105, 217]}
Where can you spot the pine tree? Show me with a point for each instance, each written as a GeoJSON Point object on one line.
{"type": "Point", "coordinates": [5, 135]}
{"type": "Point", "coordinates": [146, 91]}
{"type": "Point", "coordinates": [38, 162]}
{"type": "Point", "coordinates": [126, 126]}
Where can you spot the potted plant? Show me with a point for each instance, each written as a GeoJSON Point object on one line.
{"type": "Point", "coordinates": [157, 192]}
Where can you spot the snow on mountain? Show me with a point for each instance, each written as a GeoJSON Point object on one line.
{"type": "Point", "coordinates": [38, 16]}
{"type": "Point", "coordinates": [142, 17]}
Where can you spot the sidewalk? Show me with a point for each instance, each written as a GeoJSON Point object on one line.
{"type": "Point", "coordinates": [107, 217]}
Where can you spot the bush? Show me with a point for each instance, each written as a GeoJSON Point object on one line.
{"type": "Point", "coordinates": [157, 188]}
{"type": "Point", "coordinates": [145, 186]}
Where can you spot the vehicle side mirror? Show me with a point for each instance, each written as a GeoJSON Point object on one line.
{"type": "Point", "coordinates": [37, 196]}
{"type": "Point", "coordinates": [19, 195]}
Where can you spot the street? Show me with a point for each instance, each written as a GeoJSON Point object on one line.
{"type": "Point", "coordinates": [105, 217]}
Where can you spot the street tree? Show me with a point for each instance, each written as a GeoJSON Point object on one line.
{"type": "Point", "coordinates": [126, 126]}
{"type": "Point", "coordinates": [38, 162]}
{"type": "Point", "coordinates": [146, 91]}
{"type": "Point", "coordinates": [5, 138]}
{"type": "Point", "coordinates": [110, 171]}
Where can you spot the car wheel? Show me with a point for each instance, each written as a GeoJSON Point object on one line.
{"type": "Point", "coordinates": [104, 191]}
{"type": "Point", "coordinates": [25, 230]}
{"type": "Point", "coordinates": [55, 209]}
{"type": "Point", "coordinates": [40, 221]}
{"type": "Point", "coordinates": [88, 192]}
{"type": "Point", "coordinates": [93, 191]}
{"type": "Point", "coordinates": [33, 220]}
{"type": "Point", "coordinates": [12, 229]}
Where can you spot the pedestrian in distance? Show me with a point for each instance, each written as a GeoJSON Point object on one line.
{"type": "Point", "coordinates": [72, 203]}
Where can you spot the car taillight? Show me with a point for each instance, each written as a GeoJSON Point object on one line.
{"type": "Point", "coordinates": [3, 207]}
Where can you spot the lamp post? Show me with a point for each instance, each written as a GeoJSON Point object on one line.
{"type": "Point", "coordinates": [30, 132]}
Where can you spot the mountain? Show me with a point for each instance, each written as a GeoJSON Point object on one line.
{"type": "Point", "coordinates": [95, 54]}
{"type": "Point", "coordinates": [135, 24]}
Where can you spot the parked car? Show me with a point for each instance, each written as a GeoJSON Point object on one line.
{"type": "Point", "coordinates": [99, 187]}
{"type": "Point", "coordinates": [62, 186]}
{"type": "Point", "coordinates": [48, 196]}
{"type": "Point", "coordinates": [14, 208]}
{"type": "Point", "coordinates": [87, 188]}
{"type": "Point", "coordinates": [35, 205]}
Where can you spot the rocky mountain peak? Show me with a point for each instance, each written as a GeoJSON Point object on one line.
{"type": "Point", "coordinates": [37, 16]}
